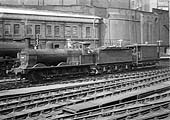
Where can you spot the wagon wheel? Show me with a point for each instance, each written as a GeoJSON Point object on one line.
{"type": "Point", "coordinates": [62, 64]}
{"type": "Point", "coordinates": [39, 65]}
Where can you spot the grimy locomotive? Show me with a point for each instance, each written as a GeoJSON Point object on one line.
{"type": "Point", "coordinates": [78, 60]}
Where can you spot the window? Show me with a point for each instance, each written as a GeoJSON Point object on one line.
{"type": "Point", "coordinates": [7, 29]}
{"type": "Point", "coordinates": [16, 29]}
{"type": "Point", "coordinates": [37, 29]}
{"type": "Point", "coordinates": [132, 4]}
{"type": "Point", "coordinates": [56, 46]}
{"type": "Point", "coordinates": [88, 31]}
{"type": "Point", "coordinates": [1, 29]}
{"type": "Point", "coordinates": [96, 32]}
{"type": "Point", "coordinates": [75, 31]}
{"type": "Point", "coordinates": [48, 30]}
{"type": "Point", "coordinates": [29, 29]}
{"type": "Point", "coordinates": [68, 31]}
{"type": "Point", "coordinates": [56, 30]}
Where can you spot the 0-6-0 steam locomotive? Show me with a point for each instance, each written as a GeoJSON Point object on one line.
{"type": "Point", "coordinates": [79, 59]}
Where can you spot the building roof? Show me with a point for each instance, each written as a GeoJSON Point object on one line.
{"type": "Point", "coordinates": [6, 12]}
{"type": "Point", "coordinates": [43, 12]}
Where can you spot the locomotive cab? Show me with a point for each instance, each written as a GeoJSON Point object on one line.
{"type": "Point", "coordinates": [84, 57]}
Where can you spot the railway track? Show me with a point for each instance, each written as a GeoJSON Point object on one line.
{"type": "Point", "coordinates": [135, 110]}
{"type": "Point", "coordinates": [40, 103]}
{"type": "Point", "coordinates": [16, 83]}
{"type": "Point", "coordinates": [160, 115]}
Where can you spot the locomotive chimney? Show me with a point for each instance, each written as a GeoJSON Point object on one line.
{"type": "Point", "coordinates": [49, 45]}
{"type": "Point", "coordinates": [27, 43]}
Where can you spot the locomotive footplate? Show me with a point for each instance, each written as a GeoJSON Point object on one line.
{"type": "Point", "coordinates": [42, 74]}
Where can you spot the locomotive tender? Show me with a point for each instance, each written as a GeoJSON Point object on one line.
{"type": "Point", "coordinates": [42, 64]}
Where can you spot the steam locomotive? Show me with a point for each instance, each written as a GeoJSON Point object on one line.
{"type": "Point", "coordinates": [79, 60]}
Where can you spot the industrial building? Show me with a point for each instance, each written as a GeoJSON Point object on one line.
{"type": "Point", "coordinates": [84, 60]}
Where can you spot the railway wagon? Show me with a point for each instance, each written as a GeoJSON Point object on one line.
{"type": "Point", "coordinates": [19, 23]}
{"type": "Point", "coordinates": [145, 54]}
